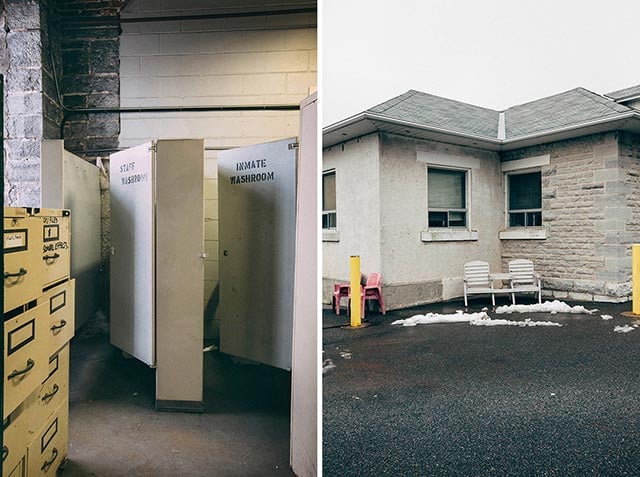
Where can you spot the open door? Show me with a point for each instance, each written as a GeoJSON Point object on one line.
{"type": "Point", "coordinates": [257, 212]}
{"type": "Point", "coordinates": [132, 252]}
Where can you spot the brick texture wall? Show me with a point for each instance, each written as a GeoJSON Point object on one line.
{"type": "Point", "coordinates": [584, 189]}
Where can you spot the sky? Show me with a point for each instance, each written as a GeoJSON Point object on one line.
{"type": "Point", "coordinates": [490, 53]}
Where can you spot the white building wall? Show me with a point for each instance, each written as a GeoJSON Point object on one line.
{"type": "Point", "coordinates": [418, 271]}
{"type": "Point", "coordinates": [261, 60]}
{"type": "Point", "coordinates": [357, 167]}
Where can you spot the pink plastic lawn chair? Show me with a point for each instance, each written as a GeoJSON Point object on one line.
{"type": "Point", "coordinates": [373, 291]}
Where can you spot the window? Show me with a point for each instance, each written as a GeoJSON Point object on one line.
{"type": "Point", "coordinates": [447, 198]}
{"type": "Point", "coordinates": [329, 216]}
{"type": "Point", "coordinates": [525, 199]}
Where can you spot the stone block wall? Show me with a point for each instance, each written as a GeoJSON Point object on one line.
{"type": "Point", "coordinates": [585, 212]}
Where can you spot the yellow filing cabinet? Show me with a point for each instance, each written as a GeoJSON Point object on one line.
{"type": "Point", "coordinates": [26, 358]}
{"type": "Point", "coordinates": [37, 329]}
{"type": "Point", "coordinates": [22, 244]}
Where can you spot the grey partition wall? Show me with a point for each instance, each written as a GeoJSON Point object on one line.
{"type": "Point", "coordinates": [157, 264]}
{"type": "Point", "coordinates": [257, 211]}
{"type": "Point", "coordinates": [70, 182]}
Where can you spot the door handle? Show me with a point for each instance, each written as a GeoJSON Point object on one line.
{"type": "Point", "coordinates": [15, 373]}
{"type": "Point", "coordinates": [53, 392]}
{"type": "Point", "coordinates": [60, 326]}
{"type": "Point", "coordinates": [19, 273]}
{"type": "Point", "coordinates": [50, 257]}
{"type": "Point", "coordinates": [47, 463]}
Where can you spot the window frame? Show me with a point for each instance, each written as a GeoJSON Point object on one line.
{"type": "Point", "coordinates": [328, 213]}
{"type": "Point", "coordinates": [526, 212]}
{"type": "Point", "coordinates": [465, 210]}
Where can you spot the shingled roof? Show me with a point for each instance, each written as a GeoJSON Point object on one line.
{"type": "Point", "coordinates": [624, 93]}
{"type": "Point", "coordinates": [427, 109]}
{"type": "Point", "coordinates": [572, 107]}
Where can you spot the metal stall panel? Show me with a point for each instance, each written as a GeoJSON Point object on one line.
{"type": "Point", "coordinates": [133, 246]}
{"type": "Point", "coordinates": [179, 274]}
{"type": "Point", "coordinates": [257, 211]}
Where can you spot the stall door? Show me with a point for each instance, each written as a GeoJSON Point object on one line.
{"type": "Point", "coordinates": [133, 247]}
{"type": "Point", "coordinates": [257, 208]}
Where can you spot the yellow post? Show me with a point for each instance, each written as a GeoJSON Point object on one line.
{"type": "Point", "coordinates": [635, 260]}
{"type": "Point", "coordinates": [354, 282]}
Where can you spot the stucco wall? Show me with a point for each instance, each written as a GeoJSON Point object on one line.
{"type": "Point", "coordinates": [416, 271]}
{"type": "Point", "coordinates": [584, 188]}
{"type": "Point", "coordinates": [358, 200]}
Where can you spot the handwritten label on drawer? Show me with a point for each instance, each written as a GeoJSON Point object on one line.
{"type": "Point", "coordinates": [21, 336]}
{"type": "Point", "coordinates": [49, 434]}
{"type": "Point", "coordinates": [16, 240]}
{"type": "Point", "coordinates": [51, 233]}
{"type": "Point", "coordinates": [57, 301]}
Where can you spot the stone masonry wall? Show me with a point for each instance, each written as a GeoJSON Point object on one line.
{"type": "Point", "coordinates": [90, 74]}
{"type": "Point", "coordinates": [23, 119]}
{"type": "Point", "coordinates": [585, 212]}
{"type": "Point", "coordinates": [629, 146]}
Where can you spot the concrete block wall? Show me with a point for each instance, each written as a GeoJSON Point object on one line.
{"type": "Point", "coordinates": [249, 61]}
{"type": "Point", "coordinates": [585, 213]}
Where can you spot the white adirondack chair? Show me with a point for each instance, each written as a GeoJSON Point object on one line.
{"type": "Point", "coordinates": [524, 278]}
{"type": "Point", "coordinates": [477, 280]}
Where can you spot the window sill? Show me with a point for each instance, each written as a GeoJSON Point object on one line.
{"type": "Point", "coordinates": [330, 236]}
{"type": "Point", "coordinates": [449, 236]}
{"type": "Point", "coordinates": [524, 233]}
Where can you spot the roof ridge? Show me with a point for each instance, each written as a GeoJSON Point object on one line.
{"type": "Point", "coordinates": [609, 103]}
{"type": "Point", "coordinates": [391, 103]}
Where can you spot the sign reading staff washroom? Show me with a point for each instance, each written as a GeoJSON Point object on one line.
{"type": "Point", "coordinates": [257, 217]}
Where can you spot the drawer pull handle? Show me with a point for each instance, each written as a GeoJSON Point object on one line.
{"type": "Point", "coordinates": [5, 453]}
{"type": "Point", "coordinates": [19, 273]}
{"type": "Point", "coordinates": [51, 257]}
{"type": "Point", "coordinates": [15, 373]}
{"type": "Point", "coordinates": [60, 326]}
{"type": "Point", "coordinates": [47, 463]}
{"type": "Point", "coordinates": [52, 393]}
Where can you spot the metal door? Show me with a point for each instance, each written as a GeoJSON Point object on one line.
{"type": "Point", "coordinates": [132, 253]}
{"type": "Point", "coordinates": [257, 209]}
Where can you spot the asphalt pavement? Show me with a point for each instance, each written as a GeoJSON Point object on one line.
{"type": "Point", "coordinates": [462, 400]}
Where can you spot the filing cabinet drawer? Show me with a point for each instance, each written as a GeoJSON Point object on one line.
{"type": "Point", "coordinates": [55, 232]}
{"type": "Point", "coordinates": [51, 394]}
{"type": "Point", "coordinates": [49, 448]}
{"type": "Point", "coordinates": [22, 243]}
{"type": "Point", "coordinates": [14, 452]}
{"type": "Point", "coordinates": [26, 358]}
{"type": "Point", "coordinates": [60, 307]}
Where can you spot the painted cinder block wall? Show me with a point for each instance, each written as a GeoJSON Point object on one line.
{"type": "Point", "coordinates": [250, 61]}
{"type": "Point", "coordinates": [586, 189]}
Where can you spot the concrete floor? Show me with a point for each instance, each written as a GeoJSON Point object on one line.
{"type": "Point", "coordinates": [455, 399]}
{"type": "Point", "coordinates": [115, 431]}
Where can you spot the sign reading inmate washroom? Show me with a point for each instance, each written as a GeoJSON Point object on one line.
{"type": "Point", "coordinates": [257, 218]}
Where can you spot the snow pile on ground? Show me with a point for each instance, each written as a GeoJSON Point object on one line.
{"type": "Point", "coordinates": [433, 318]}
{"type": "Point", "coordinates": [327, 365]}
{"type": "Point", "coordinates": [552, 307]}
{"type": "Point", "coordinates": [623, 329]}
{"type": "Point", "coordinates": [526, 322]}
{"type": "Point", "coordinates": [476, 319]}
{"type": "Point", "coordinates": [606, 317]}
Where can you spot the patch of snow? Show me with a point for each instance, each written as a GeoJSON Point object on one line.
{"type": "Point", "coordinates": [555, 306]}
{"type": "Point", "coordinates": [433, 318]}
{"type": "Point", "coordinates": [327, 365]}
{"type": "Point", "coordinates": [606, 317]}
{"type": "Point", "coordinates": [476, 319]}
{"type": "Point", "coordinates": [623, 329]}
{"type": "Point", "coordinates": [526, 322]}
{"type": "Point", "coordinates": [345, 355]}
{"type": "Point", "coordinates": [485, 309]}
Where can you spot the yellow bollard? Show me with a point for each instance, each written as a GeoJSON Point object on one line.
{"type": "Point", "coordinates": [354, 282]}
{"type": "Point", "coordinates": [635, 268]}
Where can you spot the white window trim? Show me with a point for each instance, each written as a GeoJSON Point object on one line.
{"type": "Point", "coordinates": [330, 235]}
{"type": "Point", "coordinates": [451, 234]}
{"type": "Point", "coordinates": [521, 166]}
{"type": "Point", "coordinates": [323, 212]}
